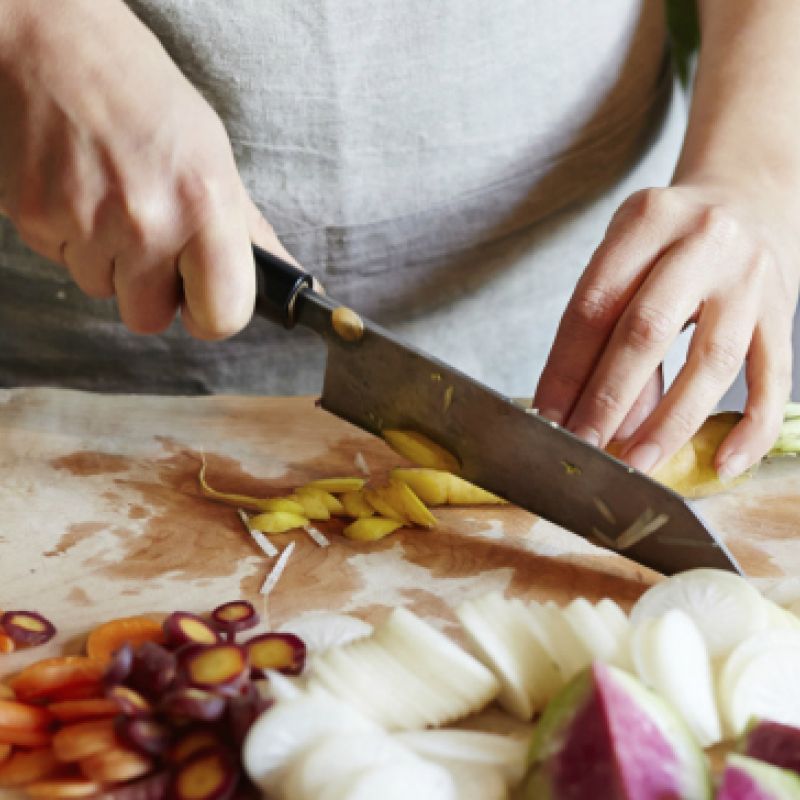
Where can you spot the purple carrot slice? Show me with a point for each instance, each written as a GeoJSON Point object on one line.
{"type": "Point", "coordinates": [27, 628]}
{"type": "Point", "coordinates": [182, 628]}
{"type": "Point", "coordinates": [283, 652]}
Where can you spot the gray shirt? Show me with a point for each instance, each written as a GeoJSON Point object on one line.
{"type": "Point", "coordinates": [445, 166]}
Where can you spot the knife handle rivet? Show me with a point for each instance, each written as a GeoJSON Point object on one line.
{"type": "Point", "coordinates": [347, 324]}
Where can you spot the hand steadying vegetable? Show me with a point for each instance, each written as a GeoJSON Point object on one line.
{"type": "Point", "coordinates": [112, 164]}
{"type": "Point", "coordinates": [719, 247]}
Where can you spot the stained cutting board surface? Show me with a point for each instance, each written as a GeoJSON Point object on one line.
{"type": "Point", "coordinates": [101, 516]}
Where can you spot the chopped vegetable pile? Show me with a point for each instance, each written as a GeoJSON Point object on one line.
{"type": "Point", "coordinates": [154, 710]}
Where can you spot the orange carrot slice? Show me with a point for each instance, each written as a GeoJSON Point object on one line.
{"type": "Point", "coordinates": [7, 644]}
{"type": "Point", "coordinates": [79, 710]}
{"type": "Point", "coordinates": [6, 692]}
{"type": "Point", "coordinates": [86, 691]}
{"type": "Point", "coordinates": [14, 714]}
{"type": "Point", "coordinates": [104, 640]}
{"type": "Point", "coordinates": [84, 739]}
{"type": "Point", "coordinates": [26, 766]}
{"type": "Point", "coordinates": [5, 752]}
{"type": "Point", "coordinates": [57, 789]}
{"type": "Point", "coordinates": [52, 677]}
{"type": "Point", "coordinates": [25, 737]}
{"type": "Point", "coordinates": [115, 766]}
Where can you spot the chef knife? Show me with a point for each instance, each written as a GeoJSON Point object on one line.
{"type": "Point", "coordinates": [375, 381]}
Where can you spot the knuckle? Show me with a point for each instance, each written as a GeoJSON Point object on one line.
{"type": "Point", "coordinates": [680, 424]}
{"type": "Point", "coordinates": [607, 400]}
{"type": "Point", "coordinates": [649, 203]}
{"type": "Point", "coordinates": [720, 357]}
{"type": "Point", "coordinates": [719, 224]}
{"type": "Point", "coordinates": [647, 327]}
{"type": "Point", "coordinates": [595, 309]}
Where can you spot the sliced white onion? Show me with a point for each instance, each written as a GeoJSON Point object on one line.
{"type": "Point", "coordinates": [321, 630]}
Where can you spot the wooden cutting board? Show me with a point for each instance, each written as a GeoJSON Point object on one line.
{"type": "Point", "coordinates": [100, 516]}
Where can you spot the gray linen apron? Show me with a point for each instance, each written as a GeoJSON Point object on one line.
{"type": "Point", "coordinates": [446, 166]}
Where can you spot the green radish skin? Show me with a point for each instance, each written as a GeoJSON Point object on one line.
{"type": "Point", "coordinates": [748, 779]}
{"type": "Point", "coordinates": [606, 736]}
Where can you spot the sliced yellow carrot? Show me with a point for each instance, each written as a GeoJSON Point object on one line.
{"type": "Point", "coordinates": [62, 789]}
{"type": "Point", "coordinates": [330, 502]}
{"type": "Point", "coordinates": [377, 498]}
{"type": "Point", "coordinates": [277, 522]}
{"type": "Point", "coordinates": [436, 488]}
{"type": "Point", "coordinates": [372, 529]}
{"type": "Point", "coordinates": [243, 500]}
{"type": "Point", "coordinates": [313, 506]}
{"type": "Point", "coordinates": [337, 485]}
{"type": "Point", "coordinates": [420, 450]}
{"type": "Point", "coordinates": [356, 505]}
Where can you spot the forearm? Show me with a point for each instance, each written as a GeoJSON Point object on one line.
{"type": "Point", "coordinates": [745, 113]}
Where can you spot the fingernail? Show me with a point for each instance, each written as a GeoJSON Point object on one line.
{"type": "Point", "coordinates": [644, 456]}
{"type": "Point", "coordinates": [732, 467]}
{"type": "Point", "coordinates": [554, 415]}
{"type": "Point", "coordinates": [589, 435]}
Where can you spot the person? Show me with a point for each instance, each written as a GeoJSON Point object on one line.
{"type": "Point", "coordinates": [443, 166]}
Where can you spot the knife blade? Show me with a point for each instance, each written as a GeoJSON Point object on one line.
{"type": "Point", "coordinates": [376, 382]}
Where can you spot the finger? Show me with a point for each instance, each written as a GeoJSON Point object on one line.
{"type": "Point", "coordinates": [644, 227]}
{"type": "Point", "coordinates": [218, 274]}
{"type": "Point", "coordinates": [90, 267]}
{"type": "Point", "coordinates": [769, 382]}
{"type": "Point", "coordinates": [643, 406]}
{"type": "Point", "coordinates": [642, 337]}
{"type": "Point", "coordinates": [716, 353]}
{"type": "Point", "coordinates": [148, 298]}
{"type": "Point", "coordinates": [262, 233]}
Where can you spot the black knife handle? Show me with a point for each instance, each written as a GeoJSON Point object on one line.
{"type": "Point", "coordinates": [278, 283]}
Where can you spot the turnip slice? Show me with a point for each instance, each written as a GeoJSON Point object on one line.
{"type": "Point", "coordinates": [419, 780]}
{"type": "Point", "coordinates": [322, 630]}
{"type": "Point", "coordinates": [588, 626]}
{"type": "Point", "coordinates": [671, 658]}
{"type": "Point", "coordinates": [286, 729]}
{"type": "Point", "coordinates": [747, 779]}
{"type": "Point", "coordinates": [339, 757]}
{"type": "Point", "coordinates": [795, 608]}
{"type": "Point", "coordinates": [725, 607]}
{"type": "Point", "coordinates": [619, 626]}
{"type": "Point", "coordinates": [495, 751]}
{"type": "Point", "coordinates": [558, 639]}
{"type": "Point", "coordinates": [767, 687]}
{"type": "Point", "coordinates": [438, 661]}
{"type": "Point", "coordinates": [781, 617]}
{"type": "Point", "coordinates": [473, 782]}
{"type": "Point", "coordinates": [730, 669]}
{"type": "Point", "coordinates": [503, 642]}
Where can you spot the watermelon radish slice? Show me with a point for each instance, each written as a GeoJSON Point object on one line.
{"type": "Point", "coordinates": [607, 736]}
{"type": "Point", "coordinates": [747, 779]}
{"type": "Point", "coordinates": [774, 743]}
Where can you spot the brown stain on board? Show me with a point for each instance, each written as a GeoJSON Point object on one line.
{"type": "Point", "coordinates": [194, 538]}
{"type": "Point", "coordinates": [86, 463]}
{"type": "Point", "coordinates": [78, 597]}
{"type": "Point", "coordinates": [75, 534]}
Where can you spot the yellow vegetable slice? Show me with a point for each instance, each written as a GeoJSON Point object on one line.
{"type": "Point", "coordinates": [437, 488]}
{"type": "Point", "coordinates": [277, 522]}
{"type": "Point", "coordinates": [691, 470]}
{"type": "Point", "coordinates": [372, 529]}
{"type": "Point", "coordinates": [313, 507]}
{"type": "Point", "coordinates": [245, 501]}
{"type": "Point", "coordinates": [383, 505]}
{"type": "Point", "coordinates": [337, 485]}
{"type": "Point", "coordinates": [330, 502]}
{"type": "Point", "coordinates": [402, 496]}
{"type": "Point", "coordinates": [421, 450]}
{"type": "Point", "coordinates": [356, 506]}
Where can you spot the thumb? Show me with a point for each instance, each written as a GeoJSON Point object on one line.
{"type": "Point", "coordinates": [218, 274]}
